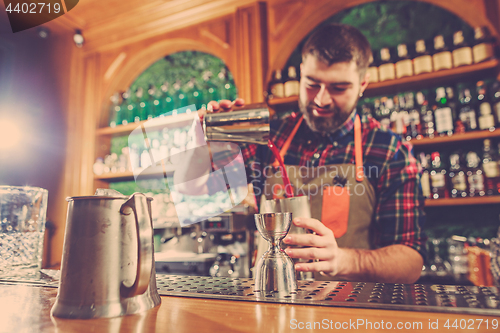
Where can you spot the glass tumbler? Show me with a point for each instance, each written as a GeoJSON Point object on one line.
{"type": "Point", "coordinates": [22, 225]}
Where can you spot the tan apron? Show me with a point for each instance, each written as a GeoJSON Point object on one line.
{"type": "Point", "coordinates": [340, 196]}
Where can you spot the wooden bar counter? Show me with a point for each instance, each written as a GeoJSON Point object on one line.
{"type": "Point", "coordinates": [26, 308]}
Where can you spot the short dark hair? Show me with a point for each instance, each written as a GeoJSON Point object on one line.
{"type": "Point", "coordinates": [337, 42]}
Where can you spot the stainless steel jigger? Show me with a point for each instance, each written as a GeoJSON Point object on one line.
{"type": "Point", "coordinates": [275, 271]}
{"type": "Point", "coordinates": [299, 207]}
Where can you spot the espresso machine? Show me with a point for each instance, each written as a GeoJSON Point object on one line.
{"type": "Point", "coordinates": [223, 244]}
{"type": "Point", "coordinates": [218, 246]}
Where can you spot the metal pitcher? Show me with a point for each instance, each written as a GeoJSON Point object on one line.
{"type": "Point", "coordinates": [107, 268]}
{"type": "Point", "coordinates": [248, 124]}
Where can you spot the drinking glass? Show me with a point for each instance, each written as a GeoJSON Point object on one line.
{"type": "Point", "coordinates": [22, 226]}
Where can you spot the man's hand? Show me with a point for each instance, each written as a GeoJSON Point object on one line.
{"type": "Point", "coordinates": [224, 105]}
{"type": "Point", "coordinates": [320, 246]}
{"type": "Point", "coordinates": [395, 263]}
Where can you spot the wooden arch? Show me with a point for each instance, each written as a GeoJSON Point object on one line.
{"type": "Point", "coordinates": [140, 61]}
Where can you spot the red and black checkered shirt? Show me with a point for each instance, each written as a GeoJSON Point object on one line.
{"type": "Point", "coordinates": [398, 216]}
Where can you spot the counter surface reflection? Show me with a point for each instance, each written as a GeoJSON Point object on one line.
{"type": "Point", "coordinates": [26, 308]}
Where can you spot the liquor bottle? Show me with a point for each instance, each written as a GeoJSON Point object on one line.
{"type": "Point", "coordinates": [426, 116]}
{"type": "Point", "coordinates": [373, 70]}
{"type": "Point", "coordinates": [276, 87]}
{"type": "Point", "coordinates": [194, 96]}
{"type": "Point", "coordinates": [126, 107]}
{"type": "Point", "coordinates": [228, 89]}
{"type": "Point", "coordinates": [467, 114]}
{"type": "Point", "coordinates": [422, 63]}
{"type": "Point", "coordinates": [386, 69]}
{"type": "Point", "coordinates": [491, 169]}
{"type": "Point", "coordinates": [404, 65]}
{"type": "Point", "coordinates": [154, 101]}
{"type": "Point", "coordinates": [475, 176]}
{"type": "Point", "coordinates": [443, 114]}
{"type": "Point", "coordinates": [441, 58]}
{"type": "Point", "coordinates": [394, 117]}
{"type": "Point", "coordinates": [486, 119]}
{"type": "Point", "coordinates": [168, 100]}
{"type": "Point", "coordinates": [124, 160]}
{"type": "Point", "coordinates": [377, 109]}
{"type": "Point", "coordinates": [138, 105]}
{"type": "Point", "coordinates": [457, 175]}
{"type": "Point", "coordinates": [462, 52]}
{"type": "Point", "coordinates": [452, 101]}
{"type": "Point", "coordinates": [483, 48]}
{"type": "Point", "coordinates": [145, 104]}
{"type": "Point", "coordinates": [164, 151]}
{"type": "Point", "coordinates": [135, 161]}
{"type": "Point", "coordinates": [425, 179]}
{"type": "Point", "coordinates": [155, 151]}
{"type": "Point", "coordinates": [114, 110]}
{"type": "Point", "coordinates": [403, 118]}
{"type": "Point", "coordinates": [210, 92]}
{"type": "Point", "coordinates": [495, 100]}
{"type": "Point", "coordinates": [413, 129]}
{"type": "Point", "coordinates": [98, 166]}
{"type": "Point", "coordinates": [386, 107]}
{"type": "Point", "coordinates": [145, 159]}
{"type": "Point", "coordinates": [438, 177]}
{"type": "Point", "coordinates": [181, 93]}
{"type": "Point", "coordinates": [291, 86]}
{"type": "Point", "coordinates": [366, 110]}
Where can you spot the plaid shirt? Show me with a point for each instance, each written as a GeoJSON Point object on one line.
{"type": "Point", "coordinates": [398, 216]}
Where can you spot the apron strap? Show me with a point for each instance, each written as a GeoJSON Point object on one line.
{"type": "Point", "coordinates": [287, 143]}
{"type": "Point", "coordinates": [358, 147]}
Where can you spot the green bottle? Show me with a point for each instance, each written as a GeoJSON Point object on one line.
{"type": "Point", "coordinates": [114, 110]}
{"type": "Point", "coordinates": [139, 106]}
{"type": "Point", "coordinates": [149, 109]}
{"type": "Point", "coordinates": [210, 91]}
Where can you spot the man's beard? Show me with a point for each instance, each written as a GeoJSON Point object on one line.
{"type": "Point", "coordinates": [324, 125]}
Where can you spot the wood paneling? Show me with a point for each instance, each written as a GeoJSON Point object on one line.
{"type": "Point", "coordinates": [113, 24]}
{"type": "Point", "coordinates": [251, 51]}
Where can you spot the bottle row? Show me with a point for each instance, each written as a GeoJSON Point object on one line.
{"type": "Point", "coordinates": [284, 86]}
{"type": "Point", "coordinates": [461, 173]}
{"type": "Point", "coordinates": [459, 258]}
{"type": "Point", "coordinates": [445, 110]}
{"type": "Point", "coordinates": [408, 60]}
{"type": "Point", "coordinates": [142, 104]}
{"type": "Point", "coordinates": [138, 155]}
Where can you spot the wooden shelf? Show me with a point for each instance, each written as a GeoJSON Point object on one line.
{"type": "Point", "coordinates": [184, 119]}
{"type": "Point", "coordinates": [468, 136]}
{"type": "Point", "coordinates": [486, 200]}
{"type": "Point", "coordinates": [425, 80]}
{"type": "Point", "coordinates": [283, 101]}
{"type": "Point", "coordinates": [156, 172]}
{"type": "Point", "coordinates": [415, 82]}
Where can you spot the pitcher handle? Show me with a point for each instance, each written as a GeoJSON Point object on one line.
{"type": "Point", "coordinates": [138, 203]}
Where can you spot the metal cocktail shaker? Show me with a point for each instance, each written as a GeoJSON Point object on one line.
{"type": "Point", "coordinates": [249, 124]}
